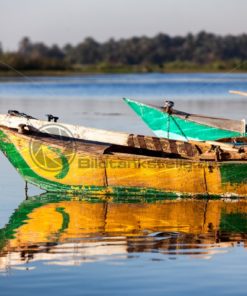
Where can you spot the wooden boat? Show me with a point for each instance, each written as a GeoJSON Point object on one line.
{"type": "Point", "coordinates": [65, 158]}
{"type": "Point", "coordinates": [169, 123]}
{"type": "Point", "coordinates": [78, 230]}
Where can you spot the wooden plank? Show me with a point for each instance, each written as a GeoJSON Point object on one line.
{"type": "Point", "coordinates": [237, 92]}
{"type": "Point", "coordinates": [76, 131]}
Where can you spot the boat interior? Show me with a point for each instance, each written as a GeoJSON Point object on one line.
{"type": "Point", "coordinates": [138, 145]}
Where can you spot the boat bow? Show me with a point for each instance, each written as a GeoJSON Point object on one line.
{"type": "Point", "coordinates": [177, 125]}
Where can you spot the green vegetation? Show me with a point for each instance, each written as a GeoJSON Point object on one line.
{"type": "Point", "coordinates": [162, 53]}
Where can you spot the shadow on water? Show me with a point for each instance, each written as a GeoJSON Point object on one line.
{"type": "Point", "coordinates": [64, 230]}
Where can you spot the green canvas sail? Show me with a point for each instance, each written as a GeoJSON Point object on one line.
{"type": "Point", "coordinates": [183, 126]}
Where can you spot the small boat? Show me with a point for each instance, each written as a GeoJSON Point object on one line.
{"type": "Point", "coordinates": [59, 157]}
{"type": "Point", "coordinates": [169, 123]}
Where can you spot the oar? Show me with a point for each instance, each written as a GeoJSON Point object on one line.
{"type": "Point", "coordinates": [237, 92]}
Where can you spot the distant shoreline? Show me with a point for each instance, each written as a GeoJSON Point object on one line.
{"type": "Point", "coordinates": [122, 70]}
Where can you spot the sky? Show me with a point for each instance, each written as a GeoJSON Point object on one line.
{"type": "Point", "coordinates": [70, 21]}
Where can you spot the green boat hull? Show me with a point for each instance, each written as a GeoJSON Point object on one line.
{"type": "Point", "coordinates": [175, 127]}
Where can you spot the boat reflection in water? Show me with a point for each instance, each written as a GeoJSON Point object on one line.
{"type": "Point", "coordinates": [65, 230]}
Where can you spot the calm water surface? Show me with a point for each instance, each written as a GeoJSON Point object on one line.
{"type": "Point", "coordinates": [88, 246]}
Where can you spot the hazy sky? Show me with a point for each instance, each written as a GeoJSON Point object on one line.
{"type": "Point", "coordinates": [62, 21]}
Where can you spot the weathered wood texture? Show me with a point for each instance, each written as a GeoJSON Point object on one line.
{"type": "Point", "coordinates": [180, 149]}
{"type": "Point", "coordinates": [85, 168]}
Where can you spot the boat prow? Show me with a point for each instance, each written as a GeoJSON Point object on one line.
{"type": "Point", "coordinates": [177, 125]}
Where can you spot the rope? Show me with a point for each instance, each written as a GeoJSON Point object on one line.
{"type": "Point", "coordinates": [180, 129]}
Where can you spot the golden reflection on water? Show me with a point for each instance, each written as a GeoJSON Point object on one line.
{"type": "Point", "coordinates": [71, 231]}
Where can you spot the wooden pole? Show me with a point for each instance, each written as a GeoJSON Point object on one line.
{"type": "Point", "coordinates": [237, 92]}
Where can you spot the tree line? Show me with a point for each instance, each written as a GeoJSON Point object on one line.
{"type": "Point", "coordinates": [159, 53]}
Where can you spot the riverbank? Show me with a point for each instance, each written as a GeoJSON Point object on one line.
{"type": "Point", "coordinates": [173, 67]}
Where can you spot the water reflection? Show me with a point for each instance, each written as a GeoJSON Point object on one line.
{"type": "Point", "coordinates": [65, 230]}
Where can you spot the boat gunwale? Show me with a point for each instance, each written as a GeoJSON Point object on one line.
{"type": "Point", "coordinates": [46, 139]}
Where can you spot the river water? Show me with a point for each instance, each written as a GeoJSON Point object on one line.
{"type": "Point", "coordinates": [89, 246]}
